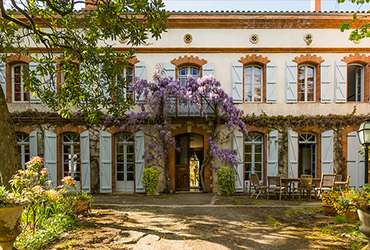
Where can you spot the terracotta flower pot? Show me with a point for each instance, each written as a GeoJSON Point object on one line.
{"type": "Point", "coordinates": [81, 206]}
{"type": "Point", "coordinates": [329, 209]}
{"type": "Point", "coordinates": [10, 219]}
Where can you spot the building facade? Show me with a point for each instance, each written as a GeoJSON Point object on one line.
{"type": "Point", "coordinates": [303, 87]}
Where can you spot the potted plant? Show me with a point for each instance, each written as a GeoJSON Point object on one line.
{"type": "Point", "coordinates": [81, 201]}
{"type": "Point", "coordinates": [345, 207]}
{"type": "Point", "coordinates": [150, 180]}
{"type": "Point", "coordinates": [11, 206]}
{"type": "Point", "coordinates": [330, 198]}
{"type": "Point", "coordinates": [361, 199]}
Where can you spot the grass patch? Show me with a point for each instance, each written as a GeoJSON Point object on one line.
{"type": "Point", "coordinates": [273, 221]}
{"type": "Point", "coordinates": [299, 211]}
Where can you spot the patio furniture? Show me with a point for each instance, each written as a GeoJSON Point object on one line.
{"type": "Point", "coordinates": [275, 186]}
{"type": "Point", "coordinates": [343, 184]}
{"type": "Point", "coordinates": [327, 183]}
{"type": "Point", "coordinates": [305, 184]}
{"type": "Point", "coordinates": [258, 189]}
{"type": "Point", "coordinates": [291, 184]}
{"type": "Point", "coordinates": [338, 177]}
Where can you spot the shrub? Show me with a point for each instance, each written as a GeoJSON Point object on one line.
{"type": "Point", "coordinates": [226, 180]}
{"type": "Point", "coordinates": [150, 180]}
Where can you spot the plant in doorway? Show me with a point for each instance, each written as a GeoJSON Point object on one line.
{"type": "Point", "coordinates": [81, 201]}
{"type": "Point", "coordinates": [150, 180]}
{"type": "Point", "coordinates": [226, 180]}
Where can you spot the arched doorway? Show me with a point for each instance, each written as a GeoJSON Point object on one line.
{"type": "Point", "coordinates": [189, 156]}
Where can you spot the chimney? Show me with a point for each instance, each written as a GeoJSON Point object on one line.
{"type": "Point", "coordinates": [315, 5]}
{"type": "Point", "coordinates": [90, 5]}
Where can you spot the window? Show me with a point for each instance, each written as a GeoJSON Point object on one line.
{"type": "Point", "coordinates": [307, 154]}
{"type": "Point", "coordinates": [71, 156]}
{"type": "Point", "coordinates": [125, 162]}
{"type": "Point", "coordinates": [355, 84]}
{"type": "Point", "coordinates": [306, 83]}
{"type": "Point", "coordinates": [19, 92]}
{"type": "Point", "coordinates": [23, 141]}
{"type": "Point", "coordinates": [253, 84]}
{"type": "Point", "coordinates": [185, 71]}
{"type": "Point", "coordinates": [253, 155]}
{"type": "Point", "coordinates": [188, 109]}
{"type": "Point", "coordinates": [127, 76]}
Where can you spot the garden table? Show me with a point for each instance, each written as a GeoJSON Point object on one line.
{"type": "Point", "coordinates": [290, 182]}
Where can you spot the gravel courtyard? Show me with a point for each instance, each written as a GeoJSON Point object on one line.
{"type": "Point", "coordinates": [205, 221]}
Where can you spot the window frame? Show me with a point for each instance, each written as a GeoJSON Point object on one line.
{"type": "Point", "coordinates": [22, 143]}
{"type": "Point", "coordinates": [362, 68]}
{"type": "Point", "coordinates": [26, 66]}
{"type": "Point", "coordinates": [77, 154]}
{"type": "Point", "coordinates": [316, 153]}
{"type": "Point", "coordinates": [253, 66]}
{"type": "Point", "coordinates": [125, 144]}
{"type": "Point", "coordinates": [253, 144]}
{"type": "Point", "coordinates": [306, 84]}
{"type": "Point", "coordinates": [126, 90]}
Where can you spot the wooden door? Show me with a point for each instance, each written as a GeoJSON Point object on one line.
{"type": "Point", "coordinates": [182, 163]}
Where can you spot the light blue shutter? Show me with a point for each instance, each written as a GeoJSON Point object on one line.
{"type": "Point", "coordinates": [325, 82]}
{"type": "Point", "coordinates": [33, 144]}
{"type": "Point", "coordinates": [208, 69]}
{"type": "Point", "coordinates": [237, 82]}
{"type": "Point", "coordinates": [103, 83]}
{"type": "Point", "coordinates": [105, 148]}
{"type": "Point", "coordinates": [327, 151]}
{"type": "Point", "coordinates": [355, 161]}
{"type": "Point", "coordinates": [273, 153]}
{"type": "Point", "coordinates": [340, 81]}
{"type": "Point", "coordinates": [3, 77]}
{"type": "Point", "coordinates": [238, 145]}
{"type": "Point", "coordinates": [139, 161]}
{"type": "Point", "coordinates": [292, 154]}
{"type": "Point", "coordinates": [50, 80]}
{"type": "Point", "coordinates": [34, 98]}
{"type": "Point", "coordinates": [271, 82]}
{"type": "Point", "coordinates": [169, 70]}
{"type": "Point", "coordinates": [291, 82]}
{"type": "Point", "coordinates": [85, 161]}
{"type": "Point", "coordinates": [50, 156]}
{"type": "Point", "coordinates": [140, 72]}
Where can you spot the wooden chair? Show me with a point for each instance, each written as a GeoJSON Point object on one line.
{"type": "Point", "coordinates": [338, 178]}
{"type": "Point", "coordinates": [327, 183]}
{"type": "Point", "coordinates": [343, 184]}
{"type": "Point", "coordinates": [275, 186]}
{"type": "Point", "coordinates": [305, 184]}
{"type": "Point", "coordinates": [255, 183]}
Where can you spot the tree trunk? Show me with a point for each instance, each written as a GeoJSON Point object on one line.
{"type": "Point", "coordinates": [9, 152]}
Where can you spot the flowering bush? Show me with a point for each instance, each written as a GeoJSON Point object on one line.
{"type": "Point", "coordinates": [361, 197]}
{"type": "Point", "coordinates": [344, 204]}
{"type": "Point", "coordinates": [75, 194]}
{"type": "Point", "coordinates": [330, 197]}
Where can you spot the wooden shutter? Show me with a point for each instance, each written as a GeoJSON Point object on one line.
{"type": "Point", "coordinates": [105, 148]}
{"type": "Point", "coordinates": [208, 69]}
{"type": "Point", "coordinates": [103, 83]}
{"type": "Point", "coordinates": [139, 161]}
{"type": "Point", "coordinates": [325, 71]}
{"type": "Point", "coordinates": [291, 82]}
{"type": "Point", "coordinates": [34, 98]}
{"type": "Point", "coordinates": [355, 161]}
{"type": "Point", "coordinates": [273, 153]}
{"type": "Point", "coordinates": [85, 161]}
{"type": "Point", "coordinates": [140, 72]}
{"type": "Point", "coordinates": [3, 77]}
{"type": "Point", "coordinates": [33, 144]}
{"type": "Point", "coordinates": [327, 151]}
{"type": "Point", "coordinates": [169, 70]}
{"type": "Point", "coordinates": [237, 82]}
{"type": "Point", "coordinates": [50, 156]}
{"type": "Point", "coordinates": [271, 82]}
{"type": "Point", "coordinates": [292, 154]}
{"type": "Point", "coordinates": [238, 145]}
{"type": "Point", "coordinates": [340, 82]}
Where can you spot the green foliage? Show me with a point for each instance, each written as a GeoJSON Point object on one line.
{"type": "Point", "coordinates": [150, 180]}
{"type": "Point", "coordinates": [48, 212]}
{"type": "Point", "coordinates": [81, 42]}
{"type": "Point", "coordinates": [340, 219]}
{"type": "Point", "coordinates": [226, 180]}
